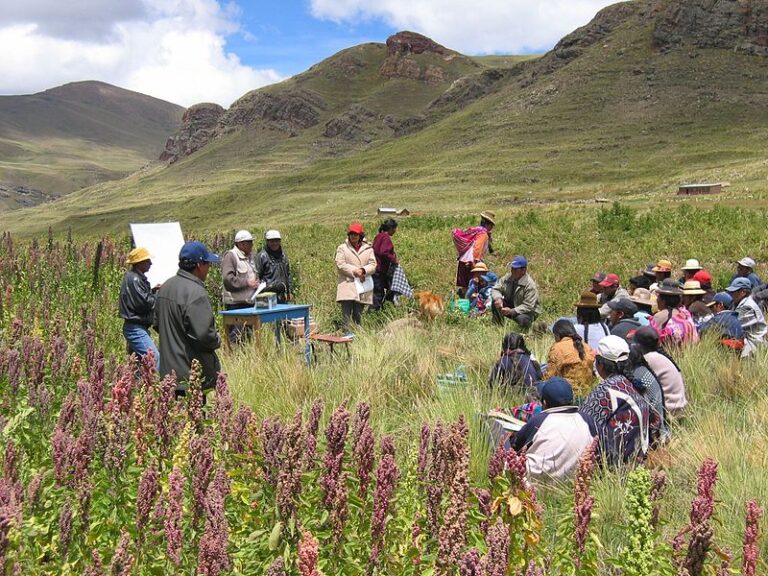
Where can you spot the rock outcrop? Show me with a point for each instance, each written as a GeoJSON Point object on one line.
{"type": "Point", "coordinates": [198, 127]}
{"type": "Point", "coordinates": [400, 61]}
{"type": "Point", "coordinates": [287, 111]}
{"type": "Point", "coordinates": [740, 25]}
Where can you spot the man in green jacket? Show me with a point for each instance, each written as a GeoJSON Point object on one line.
{"type": "Point", "coordinates": [516, 296]}
{"type": "Point", "coordinates": [185, 319]}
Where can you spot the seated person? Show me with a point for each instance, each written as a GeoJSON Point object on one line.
{"type": "Point", "coordinates": [640, 281]}
{"type": "Point", "coordinates": [692, 299]}
{"type": "Point", "coordinates": [647, 384]}
{"type": "Point", "coordinates": [664, 368]}
{"type": "Point", "coordinates": [589, 324]}
{"type": "Point", "coordinates": [516, 367]}
{"type": "Point", "coordinates": [571, 358]}
{"type": "Point", "coordinates": [724, 323]}
{"type": "Point", "coordinates": [516, 296]}
{"type": "Point", "coordinates": [612, 291]}
{"type": "Point", "coordinates": [622, 318]}
{"type": "Point", "coordinates": [673, 321]}
{"type": "Point", "coordinates": [704, 279]}
{"type": "Point", "coordinates": [750, 315]}
{"type": "Point", "coordinates": [645, 302]}
{"type": "Point", "coordinates": [479, 289]}
{"type": "Point", "coordinates": [622, 417]}
{"type": "Point", "coordinates": [555, 438]}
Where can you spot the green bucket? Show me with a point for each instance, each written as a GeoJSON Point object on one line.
{"type": "Point", "coordinates": [461, 304]}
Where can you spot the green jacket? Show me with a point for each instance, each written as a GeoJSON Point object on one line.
{"type": "Point", "coordinates": [522, 295]}
{"type": "Point", "coordinates": [187, 329]}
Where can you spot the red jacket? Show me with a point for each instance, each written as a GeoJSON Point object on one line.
{"type": "Point", "coordinates": [384, 251]}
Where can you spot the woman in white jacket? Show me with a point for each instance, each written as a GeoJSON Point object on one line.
{"type": "Point", "coordinates": [355, 261]}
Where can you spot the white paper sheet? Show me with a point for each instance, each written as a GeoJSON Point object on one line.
{"type": "Point", "coordinates": [164, 241]}
{"type": "Point", "coordinates": [365, 285]}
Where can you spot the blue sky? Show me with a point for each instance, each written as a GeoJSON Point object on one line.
{"type": "Point", "coordinates": [190, 51]}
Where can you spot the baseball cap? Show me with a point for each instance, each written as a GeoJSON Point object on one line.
{"type": "Point", "coordinates": [555, 391]}
{"type": "Point", "coordinates": [272, 235]}
{"type": "Point", "coordinates": [138, 255]}
{"type": "Point", "coordinates": [598, 277]}
{"type": "Point", "coordinates": [243, 236]}
{"type": "Point", "coordinates": [747, 261]}
{"type": "Point", "coordinates": [740, 283]}
{"type": "Point", "coordinates": [623, 305]}
{"type": "Point", "coordinates": [519, 262]}
{"type": "Point", "coordinates": [194, 251]}
{"type": "Point", "coordinates": [610, 280]}
{"type": "Point", "coordinates": [722, 298]}
{"type": "Point", "coordinates": [613, 348]}
{"type": "Point", "coordinates": [691, 264]}
{"type": "Point", "coordinates": [663, 266]}
{"type": "Point", "coordinates": [355, 228]}
{"type": "Point", "coordinates": [703, 277]}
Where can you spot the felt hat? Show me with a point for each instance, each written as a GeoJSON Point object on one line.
{"type": "Point", "coordinates": [643, 296]}
{"type": "Point", "coordinates": [598, 277]}
{"type": "Point", "coordinates": [588, 300]}
{"type": "Point", "coordinates": [138, 255]}
{"type": "Point", "coordinates": [669, 286]}
{"type": "Point", "coordinates": [648, 271]}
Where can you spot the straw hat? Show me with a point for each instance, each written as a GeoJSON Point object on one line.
{"type": "Point", "coordinates": [588, 300]}
{"type": "Point", "coordinates": [488, 215]}
{"type": "Point", "coordinates": [480, 267]}
{"type": "Point", "coordinates": [138, 255]}
{"type": "Point", "coordinates": [663, 266]}
{"type": "Point", "coordinates": [693, 288]}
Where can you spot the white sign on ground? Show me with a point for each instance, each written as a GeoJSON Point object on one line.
{"type": "Point", "coordinates": [164, 241]}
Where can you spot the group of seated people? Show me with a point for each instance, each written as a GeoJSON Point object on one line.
{"type": "Point", "coordinates": [619, 339]}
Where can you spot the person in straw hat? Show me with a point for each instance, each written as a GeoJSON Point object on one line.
{"type": "Point", "coordinates": [137, 304]}
{"type": "Point", "coordinates": [589, 324]}
{"type": "Point", "coordinates": [693, 296]}
{"type": "Point", "coordinates": [663, 271]}
{"type": "Point", "coordinates": [690, 268]}
{"type": "Point", "coordinates": [472, 245]}
{"type": "Point", "coordinates": [479, 290]}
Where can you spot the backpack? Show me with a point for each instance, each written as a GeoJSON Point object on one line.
{"type": "Point", "coordinates": [464, 239]}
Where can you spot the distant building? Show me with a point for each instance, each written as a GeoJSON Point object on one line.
{"type": "Point", "coordinates": [397, 212]}
{"type": "Point", "coordinates": [696, 189]}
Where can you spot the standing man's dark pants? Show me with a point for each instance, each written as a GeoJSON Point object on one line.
{"type": "Point", "coordinates": [237, 333]}
{"type": "Point", "coordinates": [522, 320]}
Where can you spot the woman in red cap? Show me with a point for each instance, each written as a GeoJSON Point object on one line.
{"type": "Point", "coordinates": [356, 263]}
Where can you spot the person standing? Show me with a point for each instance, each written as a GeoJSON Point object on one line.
{"type": "Point", "coordinates": [355, 262]}
{"type": "Point", "coordinates": [516, 296]}
{"type": "Point", "coordinates": [185, 319]}
{"type": "Point", "coordinates": [750, 315]}
{"type": "Point", "coordinates": [238, 278]}
{"type": "Point", "coordinates": [137, 304]}
{"type": "Point", "coordinates": [273, 268]}
{"type": "Point", "coordinates": [473, 245]}
{"type": "Point", "coordinates": [386, 260]}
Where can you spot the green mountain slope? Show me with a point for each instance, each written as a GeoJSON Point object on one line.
{"type": "Point", "coordinates": [646, 96]}
{"type": "Point", "coordinates": [76, 135]}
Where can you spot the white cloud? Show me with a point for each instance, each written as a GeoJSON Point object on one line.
{"type": "Point", "coordinates": [491, 26]}
{"type": "Point", "coordinates": [170, 49]}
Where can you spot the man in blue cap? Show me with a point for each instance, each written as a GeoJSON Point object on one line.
{"type": "Point", "coordinates": [516, 296]}
{"type": "Point", "coordinates": [185, 319]}
{"type": "Point", "coordinates": [555, 438]}
{"type": "Point", "coordinates": [724, 322]}
{"type": "Point", "coordinates": [750, 315]}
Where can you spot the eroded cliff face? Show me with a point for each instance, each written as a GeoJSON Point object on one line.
{"type": "Point", "coordinates": [400, 61]}
{"type": "Point", "coordinates": [729, 24]}
{"type": "Point", "coordinates": [198, 126]}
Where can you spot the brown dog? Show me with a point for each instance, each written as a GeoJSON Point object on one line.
{"type": "Point", "coordinates": [431, 305]}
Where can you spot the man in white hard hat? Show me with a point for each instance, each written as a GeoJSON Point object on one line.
{"type": "Point", "coordinates": [239, 278]}
{"type": "Point", "coordinates": [273, 268]}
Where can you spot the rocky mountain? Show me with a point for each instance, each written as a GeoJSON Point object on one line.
{"type": "Point", "coordinates": [77, 135]}
{"type": "Point", "coordinates": [648, 94]}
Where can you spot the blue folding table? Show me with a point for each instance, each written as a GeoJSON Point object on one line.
{"type": "Point", "coordinates": [255, 317]}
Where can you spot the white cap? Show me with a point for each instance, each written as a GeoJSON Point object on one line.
{"type": "Point", "coordinates": [243, 236]}
{"type": "Point", "coordinates": [272, 235]}
{"type": "Point", "coordinates": [691, 264]}
{"type": "Point", "coordinates": [746, 261]}
{"type": "Point", "coordinates": [613, 348]}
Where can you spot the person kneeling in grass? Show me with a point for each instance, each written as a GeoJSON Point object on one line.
{"type": "Point", "coordinates": [555, 438]}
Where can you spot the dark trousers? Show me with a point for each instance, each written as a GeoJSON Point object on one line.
{"type": "Point", "coordinates": [351, 313]}
{"type": "Point", "coordinates": [238, 333]}
{"type": "Point", "coordinates": [522, 320]}
{"type": "Point", "coordinates": [381, 292]}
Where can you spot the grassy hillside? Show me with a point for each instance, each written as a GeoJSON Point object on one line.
{"type": "Point", "coordinates": [605, 114]}
{"type": "Point", "coordinates": [77, 135]}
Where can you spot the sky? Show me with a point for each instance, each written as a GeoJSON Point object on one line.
{"type": "Point", "coordinates": [191, 51]}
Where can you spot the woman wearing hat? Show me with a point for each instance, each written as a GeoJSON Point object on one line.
{"type": "Point", "coordinates": [479, 290]}
{"type": "Point", "coordinates": [355, 263]}
{"type": "Point", "coordinates": [673, 321]}
{"type": "Point", "coordinates": [473, 245]}
{"type": "Point", "coordinates": [137, 304]}
{"type": "Point", "coordinates": [645, 302]}
{"type": "Point", "coordinates": [589, 324]}
{"type": "Point", "coordinates": [693, 296]}
{"type": "Point", "coordinates": [663, 271]}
